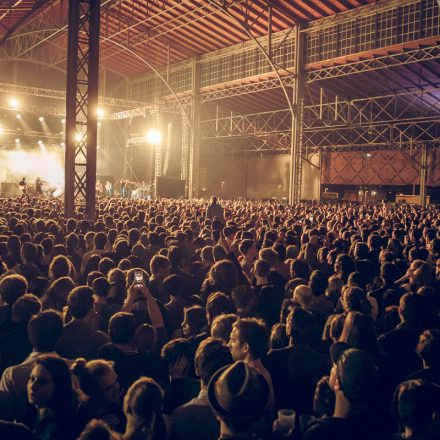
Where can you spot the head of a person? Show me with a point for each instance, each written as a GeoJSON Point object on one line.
{"type": "Point", "coordinates": [300, 326]}
{"type": "Point", "coordinates": [428, 348]}
{"type": "Point", "coordinates": [278, 337]}
{"type": "Point", "coordinates": [57, 293]}
{"type": "Point", "coordinates": [44, 330]}
{"type": "Point", "coordinates": [49, 385]}
{"type": "Point", "coordinates": [218, 303]}
{"type": "Point", "coordinates": [97, 380]}
{"type": "Point", "coordinates": [175, 350]}
{"type": "Point", "coordinates": [353, 374]}
{"type": "Point", "coordinates": [221, 326]}
{"type": "Point", "coordinates": [344, 266]}
{"type": "Point", "coordinates": [100, 240]}
{"type": "Point", "coordinates": [417, 406]}
{"type": "Point", "coordinates": [303, 295]}
{"type": "Point", "coordinates": [59, 267]}
{"type": "Point", "coordinates": [358, 332]}
{"type": "Point", "coordinates": [223, 274]}
{"type": "Point", "coordinates": [80, 302]}
{"type": "Point", "coordinates": [249, 339]}
{"type": "Point", "coordinates": [145, 338]}
{"type": "Point", "coordinates": [122, 327]}
{"type": "Point", "coordinates": [143, 406]}
{"type": "Point", "coordinates": [318, 282]}
{"type": "Point", "coordinates": [211, 355]}
{"type": "Point", "coordinates": [238, 396]}
{"type": "Point", "coordinates": [12, 287]}
{"type": "Point", "coordinates": [412, 308]}
{"type": "Point", "coordinates": [160, 266]}
{"type": "Point", "coordinates": [24, 308]}
{"type": "Point", "coordinates": [28, 253]}
{"type": "Point", "coordinates": [355, 299]}
{"type": "Point", "coordinates": [98, 429]}
{"type": "Point", "coordinates": [248, 249]}
{"type": "Point", "coordinates": [194, 322]}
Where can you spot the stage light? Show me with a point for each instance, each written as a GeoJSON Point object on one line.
{"type": "Point", "coordinates": [41, 119]}
{"type": "Point", "coordinates": [99, 124]}
{"type": "Point", "coordinates": [17, 141]}
{"type": "Point", "coordinates": [368, 155]}
{"type": "Point", "coordinates": [100, 113]}
{"type": "Point", "coordinates": [98, 147]}
{"type": "Point", "coordinates": [154, 137]}
{"type": "Point", "coordinates": [79, 137]}
{"type": "Point", "coordinates": [18, 116]}
{"type": "Point", "coordinates": [14, 103]}
{"type": "Point", "coordinates": [40, 143]}
{"type": "Point", "coordinates": [62, 145]}
{"type": "Point", "coordinates": [63, 121]}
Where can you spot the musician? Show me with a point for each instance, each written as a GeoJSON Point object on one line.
{"type": "Point", "coordinates": [39, 186]}
{"type": "Point", "coordinates": [108, 188]}
{"type": "Point", "coordinates": [123, 188]}
{"type": "Point", "coordinates": [99, 188]}
{"type": "Point", "coordinates": [22, 186]}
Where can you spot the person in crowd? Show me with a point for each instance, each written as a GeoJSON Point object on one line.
{"type": "Point", "coordinates": [52, 399]}
{"type": "Point", "coordinates": [238, 395]}
{"type": "Point", "coordinates": [211, 355]}
{"type": "Point", "coordinates": [214, 209]}
{"type": "Point", "coordinates": [79, 338]}
{"type": "Point", "coordinates": [99, 383]}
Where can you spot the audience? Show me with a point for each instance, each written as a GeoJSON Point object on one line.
{"type": "Point", "coordinates": [174, 319]}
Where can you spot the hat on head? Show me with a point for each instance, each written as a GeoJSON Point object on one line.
{"type": "Point", "coordinates": [238, 392]}
{"type": "Point", "coordinates": [355, 370]}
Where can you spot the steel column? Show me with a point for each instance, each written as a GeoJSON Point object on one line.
{"type": "Point", "coordinates": [296, 138]}
{"type": "Point", "coordinates": [423, 168]}
{"type": "Point", "coordinates": [81, 106]}
{"type": "Point", "coordinates": [157, 117]}
{"type": "Point", "coordinates": [194, 153]}
{"type": "Point", "coordinates": [184, 154]}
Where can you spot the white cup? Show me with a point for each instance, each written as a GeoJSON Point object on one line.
{"type": "Point", "coordinates": [286, 419]}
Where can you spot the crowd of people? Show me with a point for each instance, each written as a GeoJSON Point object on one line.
{"type": "Point", "coordinates": [188, 320]}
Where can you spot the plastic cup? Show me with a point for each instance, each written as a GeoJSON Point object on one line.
{"type": "Point", "coordinates": [286, 419]}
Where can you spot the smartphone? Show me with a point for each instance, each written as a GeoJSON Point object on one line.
{"type": "Point", "coordinates": [138, 277]}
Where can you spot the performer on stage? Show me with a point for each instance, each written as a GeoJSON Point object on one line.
{"type": "Point", "coordinates": [22, 186]}
{"type": "Point", "coordinates": [123, 188]}
{"type": "Point", "coordinates": [99, 188]}
{"type": "Point", "coordinates": [108, 188]}
{"type": "Point", "coordinates": [39, 186]}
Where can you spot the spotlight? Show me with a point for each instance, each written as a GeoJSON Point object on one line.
{"type": "Point", "coordinates": [18, 116]}
{"type": "Point", "coordinates": [154, 137]}
{"type": "Point", "coordinates": [41, 119]}
{"type": "Point", "coordinates": [17, 141]}
{"type": "Point", "coordinates": [100, 113]}
{"type": "Point", "coordinates": [98, 147]}
{"type": "Point", "coordinates": [79, 136]}
{"type": "Point", "coordinates": [99, 124]}
{"type": "Point", "coordinates": [40, 143]}
{"type": "Point", "coordinates": [62, 145]}
{"type": "Point", "coordinates": [63, 121]}
{"type": "Point", "coordinates": [14, 103]}
{"type": "Point", "coordinates": [368, 155]}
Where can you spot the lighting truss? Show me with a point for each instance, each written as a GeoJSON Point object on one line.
{"type": "Point", "coordinates": [81, 106]}
{"type": "Point", "coordinates": [58, 94]}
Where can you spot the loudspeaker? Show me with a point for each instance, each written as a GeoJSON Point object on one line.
{"type": "Point", "coordinates": [9, 189]}
{"type": "Point", "coordinates": [170, 188]}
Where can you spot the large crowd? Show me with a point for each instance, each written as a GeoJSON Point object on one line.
{"type": "Point", "coordinates": [188, 320]}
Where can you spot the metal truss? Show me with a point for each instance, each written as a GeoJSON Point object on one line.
{"type": "Point", "coordinates": [82, 106]}
{"type": "Point", "coordinates": [398, 107]}
{"type": "Point", "coordinates": [247, 125]}
{"type": "Point", "coordinates": [245, 89]}
{"type": "Point", "coordinates": [58, 94]}
{"type": "Point", "coordinates": [380, 136]}
{"type": "Point", "coordinates": [381, 62]}
{"type": "Point", "coordinates": [39, 110]}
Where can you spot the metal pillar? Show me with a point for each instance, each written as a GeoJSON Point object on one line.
{"type": "Point", "coordinates": [157, 149]}
{"type": "Point", "coordinates": [296, 136]}
{"type": "Point", "coordinates": [81, 106]}
{"type": "Point", "coordinates": [423, 168]}
{"type": "Point", "coordinates": [184, 156]}
{"type": "Point", "coordinates": [194, 153]}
